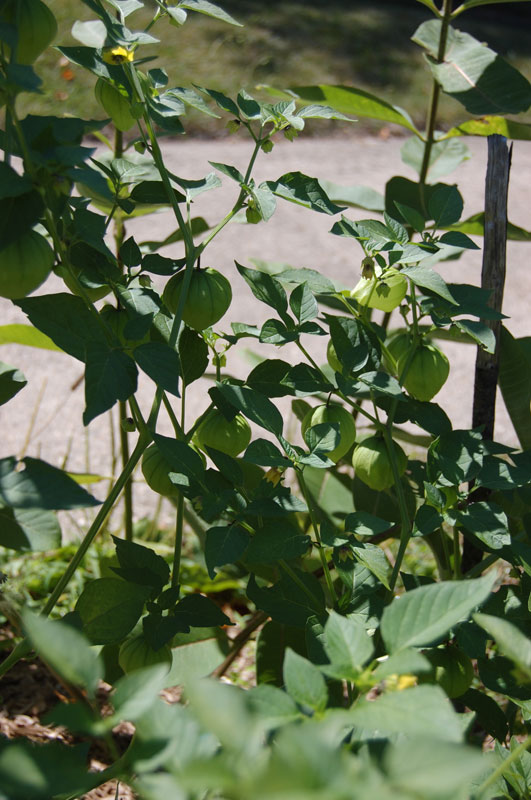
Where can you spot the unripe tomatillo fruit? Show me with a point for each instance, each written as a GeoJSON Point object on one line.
{"type": "Point", "coordinates": [372, 464]}
{"type": "Point", "coordinates": [36, 27]}
{"type": "Point", "coordinates": [94, 294]}
{"type": "Point", "coordinates": [24, 265]}
{"type": "Point", "coordinates": [228, 437]}
{"type": "Point", "coordinates": [384, 293]}
{"type": "Point", "coordinates": [427, 372]}
{"type": "Point", "coordinates": [338, 414]}
{"type": "Point", "coordinates": [156, 470]}
{"type": "Point", "coordinates": [396, 347]}
{"type": "Point", "coordinates": [209, 296]}
{"type": "Point", "coordinates": [453, 669]}
{"type": "Point", "coordinates": [115, 104]}
{"type": "Point", "coordinates": [136, 653]}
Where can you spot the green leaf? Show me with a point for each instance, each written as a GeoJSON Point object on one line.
{"type": "Point", "coordinates": [354, 196]}
{"type": "Point", "coordinates": [408, 661]}
{"type": "Point", "coordinates": [363, 524]}
{"type": "Point", "coordinates": [420, 711]}
{"type": "Point", "coordinates": [18, 214]}
{"type": "Point", "coordinates": [303, 303]}
{"type": "Point", "coordinates": [356, 346]}
{"type": "Point", "coordinates": [141, 565]}
{"type": "Point", "coordinates": [488, 125]}
{"type": "Point", "coordinates": [488, 713]}
{"type": "Point", "coordinates": [420, 617]}
{"type": "Point", "coordinates": [350, 100]}
{"type": "Point", "coordinates": [515, 383]}
{"type": "Point", "coordinates": [304, 191]}
{"type": "Point", "coordinates": [475, 226]}
{"type": "Point", "coordinates": [382, 383]}
{"type": "Point", "coordinates": [11, 183]}
{"type": "Point", "coordinates": [229, 171]}
{"type": "Point", "coordinates": [65, 649]}
{"type": "Point", "coordinates": [510, 640]}
{"type": "Point", "coordinates": [317, 283]}
{"type": "Point", "coordinates": [254, 406]}
{"type": "Point", "coordinates": [266, 377]}
{"type": "Point", "coordinates": [183, 459]}
{"type": "Point", "coordinates": [266, 454]}
{"type": "Point", "coordinates": [12, 380]}
{"type": "Point", "coordinates": [110, 375]}
{"type": "Point", "coordinates": [222, 101]}
{"type": "Point", "coordinates": [198, 611]}
{"type": "Point", "coordinates": [266, 288]}
{"type": "Point", "coordinates": [193, 355]}
{"type": "Point", "coordinates": [210, 9]}
{"type": "Point", "coordinates": [373, 557]}
{"type": "Point", "coordinates": [161, 363]}
{"type": "Point", "coordinates": [27, 335]}
{"type": "Point", "coordinates": [65, 319]}
{"type": "Point", "coordinates": [304, 682]}
{"type": "Point", "coordinates": [29, 529]}
{"type": "Point", "coordinates": [39, 485]}
{"type": "Point", "coordinates": [427, 278]}
{"type": "Point", "coordinates": [286, 602]}
{"type": "Point", "coordinates": [138, 692]}
{"type": "Point", "coordinates": [445, 156]}
{"type": "Point", "coordinates": [110, 608]}
{"type": "Point", "coordinates": [457, 455]}
{"type": "Point", "coordinates": [347, 645]}
{"type": "Point", "coordinates": [274, 542]}
{"type": "Point", "coordinates": [224, 544]}
{"type": "Point", "coordinates": [473, 74]}
{"type": "Point", "coordinates": [154, 193]}
{"type": "Point", "coordinates": [445, 205]}
{"type": "Point", "coordinates": [488, 522]}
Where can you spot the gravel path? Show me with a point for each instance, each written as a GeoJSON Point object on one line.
{"type": "Point", "coordinates": [50, 407]}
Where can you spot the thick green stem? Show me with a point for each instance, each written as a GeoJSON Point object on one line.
{"type": "Point", "coordinates": [315, 525]}
{"type": "Point", "coordinates": [179, 520]}
{"type": "Point", "coordinates": [128, 488]}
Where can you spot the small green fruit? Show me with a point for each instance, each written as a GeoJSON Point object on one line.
{"type": "Point", "coordinates": [397, 346]}
{"type": "Point", "coordinates": [209, 297]}
{"type": "Point", "coordinates": [228, 437]}
{"type": "Point", "coordinates": [36, 27]}
{"type": "Point", "coordinates": [453, 669]}
{"type": "Point", "coordinates": [427, 372]}
{"type": "Point", "coordinates": [156, 471]}
{"type": "Point", "coordinates": [136, 653]}
{"type": "Point", "coordinates": [93, 294]}
{"type": "Point", "coordinates": [117, 319]}
{"type": "Point", "coordinates": [333, 413]}
{"type": "Point", "coordinates": [115, 104]}
{"type": "Point", "coordinates": [332, 358]}
{"type": "Point", "coordinates": [385, 292]}
{"type": "Point", "coordinates": [372, 464]}
{"type": "Point", "coordinates": [24, 265]}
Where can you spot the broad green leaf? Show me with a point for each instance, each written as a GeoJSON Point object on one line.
{"type": "Point", "coordinates": [229, 171]}
{"type": "Point", "coordinates": [273, 704]}
{"type": "Point", "coordinates": [224, 544]}
{"type": "Point", "coordinates": [182, 458]}
{"type": "Point", "coordinates": [488, 522]}
{"type": "Point", "coordinates": [422, 616]}
{"type": "Point", "coordinates": [266, 454]}
{"type": "Point", "coordinates": [473, 74]}
{"type": "Point", "coordinates": [272, 543]}
{"type": "Point", "coordinates": [420, 711]}
{"type": "Point", "coordinates": [347, 645]}
{"type": "Point", "coordinates": [110, 608]}
{"type": "Point", "coordinates": [222, 101]}
{"type": "Point", "coordinates": [445, 156]}
{"type": "Point", "coordinates": [27, 335]}
{"type": "Point", "coordinates": [195, 659]}
{"type": "Point", "coordinates": [486, 126]}
{"type": "Point", "coordinates": [210, 9]}
{"type": "Point", "coordinates": [363, 524]}
{"type": "Point", "coordinates": [193, 355]}
{"type": "Point", "coordinates": [445, 770]}
{"type": "Point", "coordinates": [254, 406]}
{"type": "Point", "coordinates": [136, 693]}
{"type": "Point", "coordinates": [303, 303]}
{"type": "Point", "coordinates": [466, 4]}
{"type": "Point", "coordinates": [91, 33]}
{"type": "Point", "coordinates": [154, 193]}
{"type": "Point", "coordinates": [266, 377]}
{"type": "Point", "coordinates": [316, 111]}
{"type": "Point", "coordinates": [515, 383]}
{"type": "Point", "coordinates": [29, 529]}
{"type": "Point", "coordinates": [304, 681]}
{"type": "Point", "coordinates": [286, 602]}
{"type": "Point", "coordinates": [316, 281]}
{"type": "Point", "coordinates": [40, 486]}
{"type": "Point", "coordinates": [488, 713]}
{"type": "Point", "coordinates": [65, 649]}
{"type": "Point", "coordinates": [356, 346]}
{"type": "Point", "coordinates": [475, 226]}
{"type": "Point", "coordinates": [30, 772]}
{"type": "Point", "coordinates": [18, 215]}
{"type": "Point", "coordinates": [374, 558]}
{"type": "Point", "coordinates": [140, 564]}
{"type": "Point", "coordinates": [265, 288]}
{"type": "Point", "coordinates": [405, 662]}
{"type": "Point", "coordinates": [445, 205]}
{"type": "Point", "coordinates": [110, 375]}
{"type": "Point", "coordinates": [427, 278]}
{"type": "Point", "coordinates": [510, 640]}
{"type": "Point", "coordinates": [354, 196]}
{"type": "Point", "coordinates": [350, 100]}
{"type": "Point", "coordinates": [198, 611]}
{"type": "Point", "coordinates": [161, 363]}
{"type": "Point", "coordinates": [499, 675]}
{"type": "Point", "coordinates": [66, 320]}
{"type": "Point", "coordinates": [304, 191]}
{"type": "Point", "coordinates": [12, 380]}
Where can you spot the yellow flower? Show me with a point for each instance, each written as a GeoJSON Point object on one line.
{"type": "Point", "coordinates": [117, 55]}
{"type": "Point", "coordinates": [274, 475]}
{"type": "Point", "coordinates": [397, 683]}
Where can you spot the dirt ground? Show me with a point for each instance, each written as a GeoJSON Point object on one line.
{"type": "Point", "coordinates": [45, 419]}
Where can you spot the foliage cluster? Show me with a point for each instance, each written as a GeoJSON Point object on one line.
{"type": "Point", "coordinates": [371, 681]}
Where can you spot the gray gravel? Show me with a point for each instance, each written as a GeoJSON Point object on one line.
{"type": "Point", "coordinates": [45, 419]}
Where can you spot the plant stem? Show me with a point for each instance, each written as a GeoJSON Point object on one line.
{"type": "Point", "coordinates": [435, 92]}
{"type": "Point", "coordinates": [315, 525]}
{"type": "Point", "coordinates": [128, 488]}
{"type": "Point", "coordinates": [493, 777]}
{"type": "Point", "coordinates": [179, 520]}
{"type": "Point", "coordinates": [258, 618]}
